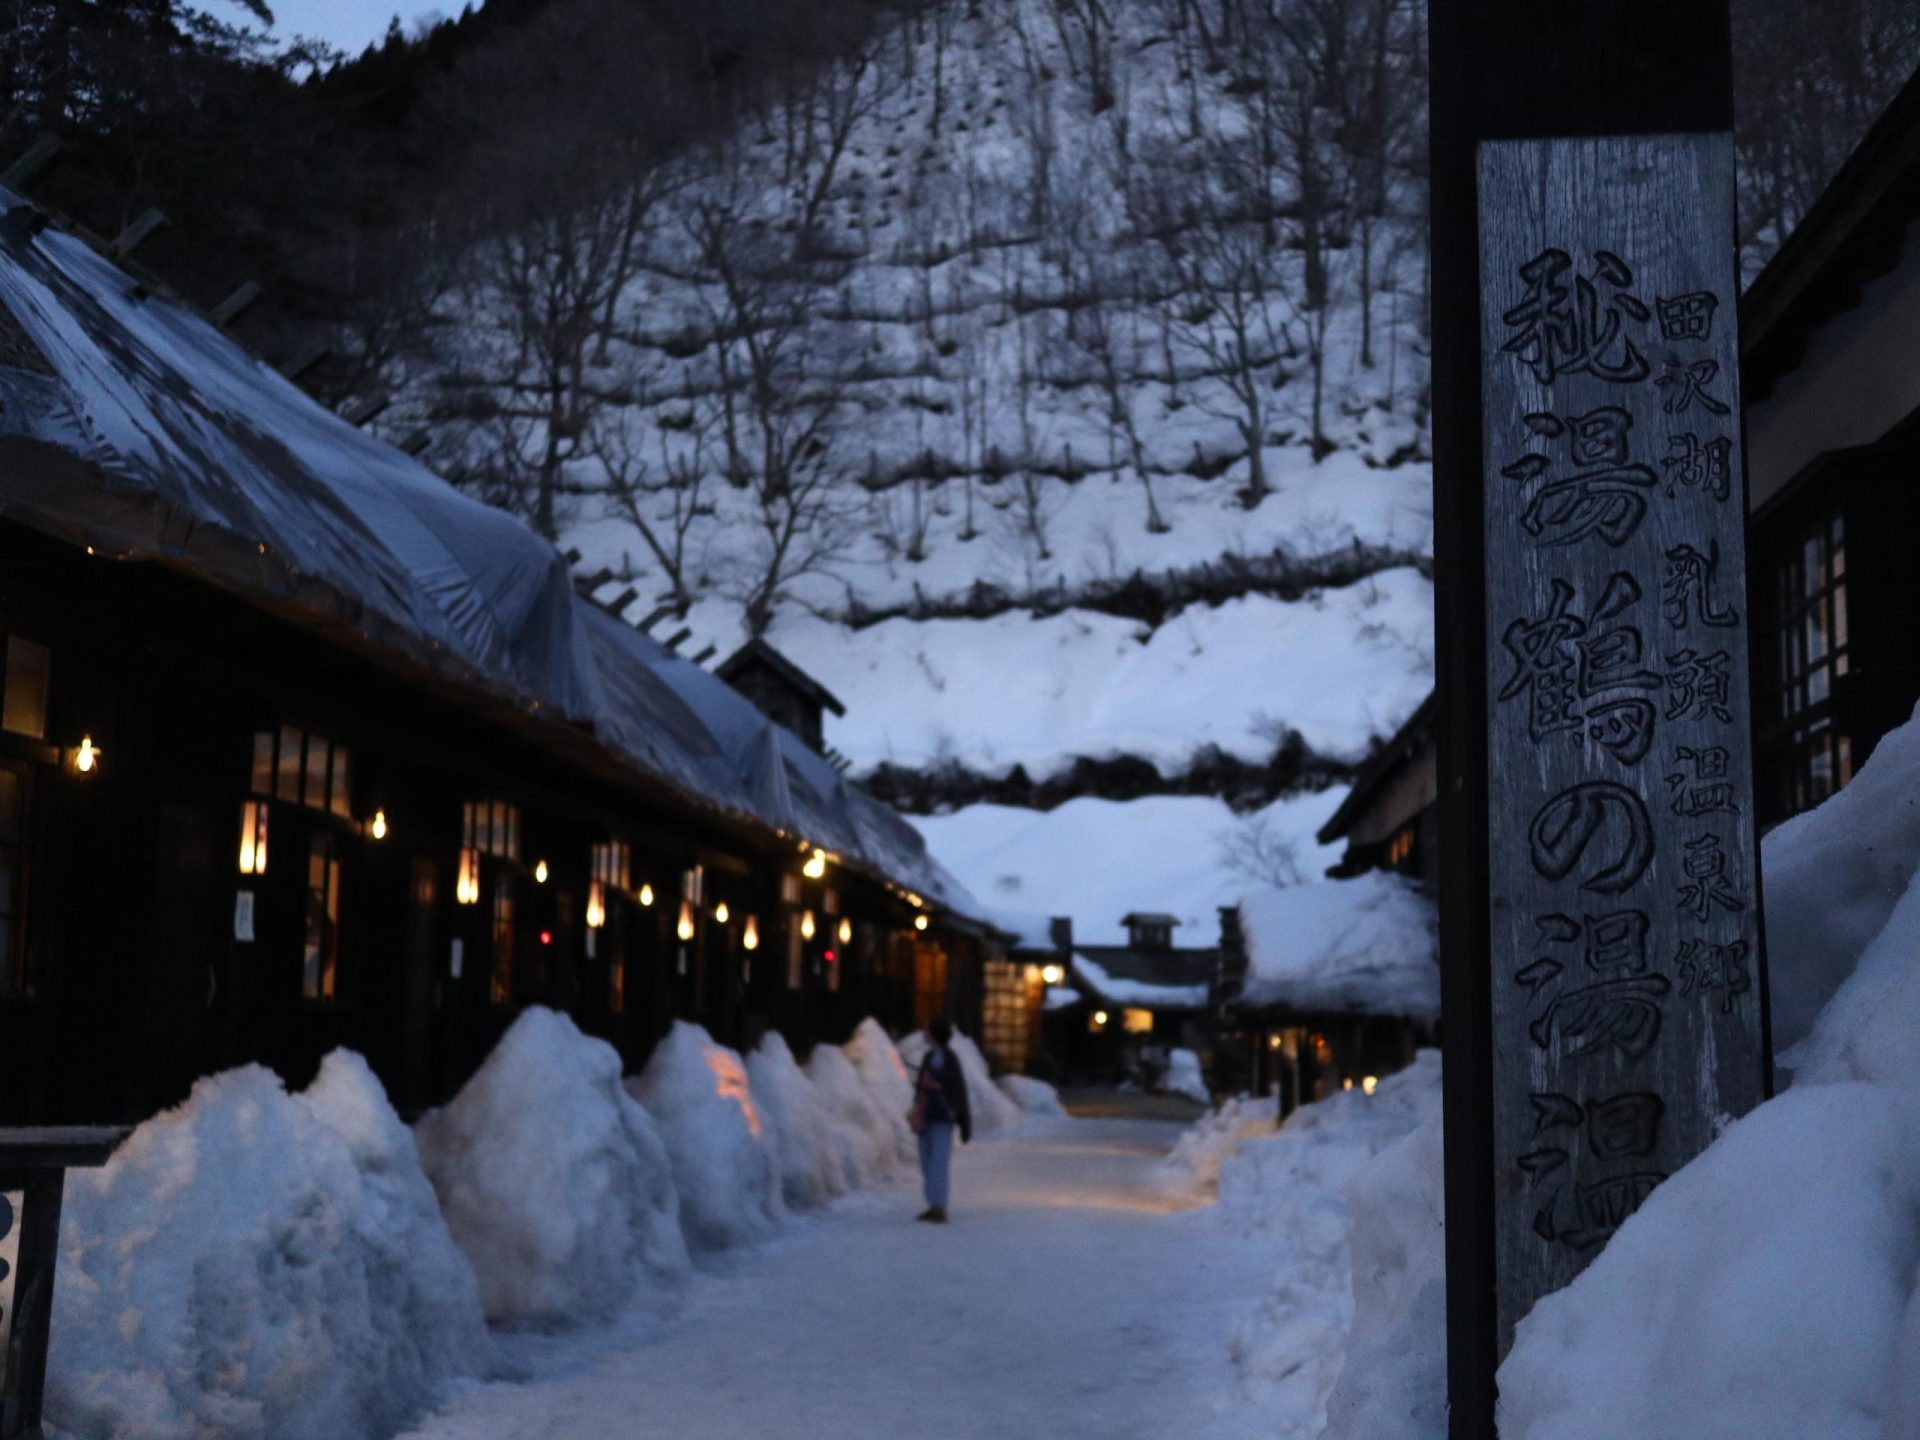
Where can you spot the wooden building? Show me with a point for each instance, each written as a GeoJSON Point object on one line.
{"type": "Point", "coordinates": [1137, 1002]}
{"type": "Point", "coordinates": [301, 748]}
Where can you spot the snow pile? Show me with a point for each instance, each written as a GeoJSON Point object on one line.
{"type": "Point", "coordinates": [1292, 1184]}
{"type": "Point", "coordinates": [1034, 1097]}
{"type": "Point", "coordinates": [814, 1160]}
{"type": "Point", "coordinates": [1184, 1077]}
{"type": "Point", "coordinates": [1366, 944]}
{"type": "Point", "coordinates": [1393, 1385]}
{"type": "Point", "coordinates": [1203, 1147]}
{"type": "Point", "coordinates": [1767, 1290]}
{"type": "Point", "coordinates": [1833, 877]}
{"type": "Point", "coordinates": [553, 1180]}
{"type": "Point", "coordinates": [994, 1113]}
{"type": "Point", "coordinates": [864, 1133]}
{"type": "Point", "coordinates": [724, 1160]}
{"type": "Point", "coordinates": [884, 1075]}
{"type": "Point", "coordinates": [257, 1264]}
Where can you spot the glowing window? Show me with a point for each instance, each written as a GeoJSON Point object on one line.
{"type": "Point", "coordinates": [1136, 1022]}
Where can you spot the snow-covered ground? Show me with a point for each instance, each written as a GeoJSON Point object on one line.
{"type": "Point", "coordinates": [1073, 1297]}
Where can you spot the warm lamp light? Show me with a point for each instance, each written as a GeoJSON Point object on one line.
{"type": "Point", "coordinates": [1052, 974]}
{"type": "Point", "coordinates": [646, 894]}
{"type": "Point", "coordinates": [920, 922]}
{"type": "Point", "coordinates": [86, 760]}
{"type": "Point", "coordinates": [721, 913]}
{"type": "Point", "coordinates": [253, 837]}
{"type": "Point", "coordinates": [539, 872]}
{"type": "Point", "coordinates": [596, 905]}
{"type": "Point", "coordinates": [685, 929]}
{"type": "Point", "coordinates": [1346, 1082]}
{"type": "Point", "coordinates": [1100, 1018]}
{"type": "Point", "coordinates": [377, 827]}
{"type": "Point", "coordinates": [466, 885]}
{"type": "Point", "coordinates": [846, 932]}
{"type": "Point", "coordinates": [806, 926]}
{"type": "Point", "coordinates": [750, 937]}
{"type": "Point", "coordinates": [1370, 1083]}
{"type": "Point", "coordinates": [816, 865]}
{"type": "Point", "coordinates": [1273, 1042]}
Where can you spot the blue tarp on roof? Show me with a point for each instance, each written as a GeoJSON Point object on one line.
{"type": "Point", "coordinates": [189, 450]}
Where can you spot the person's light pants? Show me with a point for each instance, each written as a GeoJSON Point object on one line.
{"type": "Point", "coordinates": [936, 1159]}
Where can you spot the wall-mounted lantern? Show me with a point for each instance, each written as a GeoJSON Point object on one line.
{"type": "Point", "coordinates": [253, 837]}
{"type": "Point", "coordinates": [540, 872]}
{"type": "Point", "coordinates": [33, 1166]}
{"type": "Point", "coordinates": [721, 913]}
{"type": "Point", "coordinates": [466, 885]}
{"type": "Point", "coordinates": [685, 929]}
{"type": "Point", "coordinates": [846, 931]}
{"type": "Point", "coordinates": [646, 895]}
{"type": "Point", "coordinates": [377, 826]}
{"type": "Point", "coordinates": [84, 758]}
{"type": "Point", "coordinates": [750, 936]}
{"type": "Point", "coordinates": [806, 925]}
{"type": "Point", "coordinates": [1052, 974]}
{"type": "Point", "coordinates": [920, 921]}
{"type": "Point", "coordinates": [596, 905]}
{"type": "Point", "coordinates": [816, 865]}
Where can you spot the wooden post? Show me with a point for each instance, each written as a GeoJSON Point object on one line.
{"type": "Point", "coordinates": [1604, 983]}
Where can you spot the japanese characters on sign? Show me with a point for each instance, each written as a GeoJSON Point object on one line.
{"type": "Point", "coordinates": [1622, 875]}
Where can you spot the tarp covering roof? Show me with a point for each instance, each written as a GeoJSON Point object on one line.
{"type": "Point", "coordinates": [156, 437]}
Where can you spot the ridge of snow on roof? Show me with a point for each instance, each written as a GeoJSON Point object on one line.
{"type": "Point", "coordinates": [191, 451]}
{"type": "Point", "coordinates": [1119, 991]}
{"type": "Point", "coordinates": [1365, 944]}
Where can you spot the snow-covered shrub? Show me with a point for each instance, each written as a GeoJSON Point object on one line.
{"type": "Point", "coordinates": [1184, 1077]}
{"type": "Point", "coordinates": [993, 1112]}
{"type": "Point", "coordinates": [254, 1264]}
{"type": "Point", "coordinates": [813, 1159]}
{"type": "Point", "coordinates": [1393, 1385]}
{"type": "Point", "coordinates": [554, 1181]}
{"type": "Point", "coordinates": [724, 1162]}
{"type": "Point", "coordinates": [1034, 1097]}
{"type": "Point", "coordinates": [1767, 1290]}
{"type": "Point", "coordinates": [884, 1074]}
{"type": "Point", "coordinates": [862, 1130]}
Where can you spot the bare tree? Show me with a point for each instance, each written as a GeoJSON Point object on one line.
{"type": "Point", "coordinates": [665, 503]}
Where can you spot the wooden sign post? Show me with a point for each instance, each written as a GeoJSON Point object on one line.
{"type": "Point", "coordinates": [1605, 982]}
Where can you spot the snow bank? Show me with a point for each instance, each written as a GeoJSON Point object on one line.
{"type": "Point", "coordinates": [553, 1180]}
{"type": "Point", "coordinates": [1184, 1077]}
{"type": "Point", "coordinates": [257, 1264]}
{"type": "Point", "coordinates": [1034, 1097]}
{"type": "Point", "coordinates": [1367, 943]}
{"type": "Point", "coordinates": [1393, 1384]}
{"type": "Point", "coordinates": [1767, 1290]}
{"type": "Point", "coordinates": [1293, 1185]}
{"type": "Point", "coordinates": [724, 1160]}
{"type": "Point", "coordinates": [1203, 1147]}
{"type": "Point", "coordinates": [994, 1113]}
{"type": "Point", "coordinates": [813, 1159]}
{"type": "Point", "coordinates": [863, 1131]}
{"type": "Point", "coordinates": [1833, 876]}
{"type": "Point", "coordinates": [885, 1076]}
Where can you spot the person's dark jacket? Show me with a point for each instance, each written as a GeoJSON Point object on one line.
{"type": "Point", "coordinates": [946, 1091]}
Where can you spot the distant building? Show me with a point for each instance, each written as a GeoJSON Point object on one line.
{"type": "Point", "coordinates": [781, 691]}
{"type": "Point", "coordinates": [1119, 1009]}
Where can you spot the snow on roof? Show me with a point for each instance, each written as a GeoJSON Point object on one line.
{"type": "Point", "coordinates": [1365, 944]}
{"type": "Point", "coordinates": [1029, 931]}
{"type": "Point", "coordinates": [158, 438]}
{"type": "Point", "coordinates": [1063, 997]}
{"type": "Point", "coordinates": [1119, 991]}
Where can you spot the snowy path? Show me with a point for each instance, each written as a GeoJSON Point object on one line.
{"type": "Point", "coordinates": [1067, 1300]}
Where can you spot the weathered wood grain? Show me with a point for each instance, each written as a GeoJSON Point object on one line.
{"type": "Point", "coordinates": [1623, 897]}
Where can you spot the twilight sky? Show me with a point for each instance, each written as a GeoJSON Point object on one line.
{"type": "Point", "coordinates": [351, 24]}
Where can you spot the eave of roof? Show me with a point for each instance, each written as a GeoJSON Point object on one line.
{"type": "Point", "coordinates": [1378, 768]}
{"type": "Point", "coordinates": [1851, 233]}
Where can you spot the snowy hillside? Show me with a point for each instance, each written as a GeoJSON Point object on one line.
{"type": "Point", "coordinates": [1047, 380]}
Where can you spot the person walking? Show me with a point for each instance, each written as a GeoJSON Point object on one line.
{"type": "Point", "coordinates": [939, 1108]}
